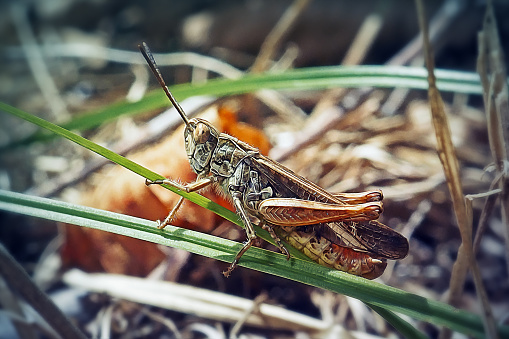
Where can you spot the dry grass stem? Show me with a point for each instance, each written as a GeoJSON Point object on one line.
{"type": "Point", "coordinates": [492, 70]}
{"type": "Point", "coordinates": [191, 300]}
{"type": "Point", "coordinates": [163, 320]}
{"type": "Point", "coordinates": [38, 67]}
{"type": "Point", "coordinates": [275, 37]}
{"type": "Point", "coordinates": [255, 308]}
{"type": "Point", "coordinates": [354, 56]}
{"type": "Point", "coordinates": [446, 153]}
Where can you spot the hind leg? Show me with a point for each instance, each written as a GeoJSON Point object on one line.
{"type": "Point", "coordinates": [274, 236]}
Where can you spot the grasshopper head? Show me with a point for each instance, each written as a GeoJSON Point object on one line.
{"type": "Point", "coordinates": [201, 139]}
{"type": "Point", "coordinates": [200, 136]}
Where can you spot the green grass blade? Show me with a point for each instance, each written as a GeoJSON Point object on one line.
{"type": "Point", "coordinates": [375, 294]}
{"type": "Point", "coordinates": [298, 79]}
{"type": "Point", "coordinates": [120, 160]}
{"type": "Point", "coordinates": [142, 171]}
{"type": "Point", "coordinates": [403, 327]}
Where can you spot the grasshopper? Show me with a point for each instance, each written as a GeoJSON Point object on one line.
{"type": "Point", "coordinates": [335, 230]}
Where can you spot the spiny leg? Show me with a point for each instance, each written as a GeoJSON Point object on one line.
{"type": "Point", "coordinates": [251, 235]}
{"type": "Point", "coordinates": [194, 186]}
{"type": "Point", "coordinates": [171, 215]}
{"type": "Point", "coordinates": [276, 238]}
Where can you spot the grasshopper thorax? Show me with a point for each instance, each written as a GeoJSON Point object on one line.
{"type": "Point", "coordinates": [201, 140]}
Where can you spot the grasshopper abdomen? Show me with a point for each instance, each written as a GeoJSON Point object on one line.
{"type": "Point", "coordinates": [326, 253]}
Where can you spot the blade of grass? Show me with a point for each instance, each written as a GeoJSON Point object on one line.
{"type": "Point", "coordinates": [120, 160]}
{"type": "Point", "coordinates": [310, 273]}
{"type": "Point", "coordinates": [403, 327]}
{"type": "Point", "coordinates": [304, 79]}
{"type": "Point", "coordinates": [298, 79]}
{"type": "Point", "coordinates": [142, 171]}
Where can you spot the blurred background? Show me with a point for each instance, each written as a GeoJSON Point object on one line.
{"type": "Point", "coordinates": [61, 58]}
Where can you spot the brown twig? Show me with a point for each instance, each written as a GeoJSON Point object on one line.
{"type": "Point", "coordinates": [19, 280]}
{"type": "Point", "coordinates": [354, 56]}
{"type": "Point", "coordinates": [12, 306]}
{"type": "Point", "coordinates": [278, 33]}
{"type": "Point", "coordinates": [446, 153]}
{"type": "Point", "coordinates": [440, 22]}
{"type": "Point", "coordinates": [492, 70]}
{"type": "Point", "coordinates": [36, 62]}
{"type": "Point", "coordinates": [489, 59]}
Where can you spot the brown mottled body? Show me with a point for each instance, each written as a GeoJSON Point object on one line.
{"type": "Point", "coordinates": [335, 230]}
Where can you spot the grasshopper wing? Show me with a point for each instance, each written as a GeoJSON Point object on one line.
{"type": "Point", "coordinates": [373, 236]}
{"type": "Point", "coordinates": [367, 236]}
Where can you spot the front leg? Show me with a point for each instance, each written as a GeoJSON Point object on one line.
{"type": "Point", "coordinates": [194, 186]}
{"type": "Point", "coordinates": [191, 187]}
{"type": "Point", "coordinates": [250, 232]}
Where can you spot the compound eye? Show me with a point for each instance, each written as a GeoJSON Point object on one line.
{"type": "Point", "coordinates": [201, 133]}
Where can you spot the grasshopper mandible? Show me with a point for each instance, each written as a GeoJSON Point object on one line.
{"type": "Point", "coordinates": [335, 230]}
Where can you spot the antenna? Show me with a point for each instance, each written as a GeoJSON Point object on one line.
{"type": "Point", "coordinates": [153, 66]}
